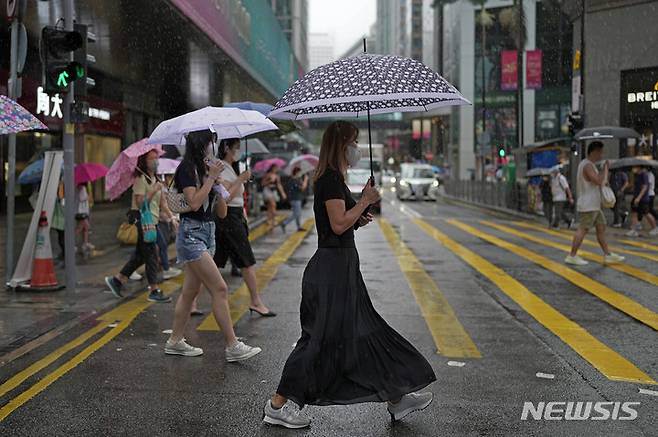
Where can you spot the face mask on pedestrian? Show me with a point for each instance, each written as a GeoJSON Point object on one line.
{"type": "Point", "coordinates": [153, 166]}
{"type": "Point", "coordinates": [353, 155]}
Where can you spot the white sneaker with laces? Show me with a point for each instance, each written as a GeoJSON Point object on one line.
{"type": "Point", "coordinates": [408, 404]}
{"type": "Point", "coordinates": [171, 273]}
{"type": "Point", "coordinates": [575, 260]}
{"type": "Point", "coordinates": [613, 258]}
{"type": "Point", "coordinates": [632, 233]}
{"type": "Point", "coordinates": [288, 416]}
{"type": "Point", "coordinates": [182, 348]}
{"type": "Point", "coordinates": [654, 231]}
{"type": "Point", "coordinates": [240, 352]}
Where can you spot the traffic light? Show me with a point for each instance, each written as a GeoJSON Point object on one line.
{"type": "Point", "coordinates": [84, 59]}
{"type": "Point", "coordinates": [576, 123]}
{"type": "Point", "coordinates": [501, 152]}
{"type": "Point", "coordinates": [58, 69]}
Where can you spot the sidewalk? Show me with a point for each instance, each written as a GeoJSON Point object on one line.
{"type": "Point", "coordinates": [25, 316]}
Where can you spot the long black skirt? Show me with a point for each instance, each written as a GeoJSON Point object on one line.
{"type": "Point", "coordinates": [347, 353]}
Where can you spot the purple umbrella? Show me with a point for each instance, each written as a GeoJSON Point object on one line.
{"type": "Point", "coordinates": [14, 118]}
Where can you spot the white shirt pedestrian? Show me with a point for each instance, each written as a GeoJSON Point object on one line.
{"type": "Point", "coordinates": [559, 186]}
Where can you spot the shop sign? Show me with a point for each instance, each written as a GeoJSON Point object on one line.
{"type": "Point", "coordinates": [650, 97]}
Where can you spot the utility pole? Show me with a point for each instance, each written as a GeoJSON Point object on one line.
{"type": "Point", "coordinates": [13, 91]}
{"type": "Point", "coordinates": [519, 76]}
{"type": "Point", "coordinates": [69, 182]}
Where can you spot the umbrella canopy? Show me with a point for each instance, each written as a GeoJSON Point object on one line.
{"type": "Point", "coordinates": [303, 165]}
{"type": "Point", "coordinates": [312, 159]}
{"type": "Point", "coordinates": [120, 176]}
{"type": "Point", "coordinates": [32, 173]}
{"type": "Point", "coordinates": [539, 171]}
{"type": "Point", "coordinates": [605, 132]}
{"type": "Point", "coordinates": [225, 122]}
{"type": "Point", "coordinates": [14, 118]}
{"type": "Point", "coordinates": [167, 166]}
{"type": "Point", "coordinates": [264, 165]}
{"type": "Point", "coordinates": [89, 172]}
{"type": "Point", "coordinates": [253, 146]}
{"type": "Point", "coordinates": [263, 108]}
{"type": "Point", "coordinates": [630, 162]}
{"type": "Point", "coordinates": [376, 83]}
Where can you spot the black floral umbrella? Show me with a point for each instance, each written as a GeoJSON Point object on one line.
{"type": "Point", "coordinates": [366, 84]}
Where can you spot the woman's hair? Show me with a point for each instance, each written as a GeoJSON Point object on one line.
{"type": "Point", "coordinates": [334, 143]}
{"type": "Point", "coordinates": [142, 167]}
{"type": "Point", "coordinates": [296, 170]}
{"type": "Point", "coordinates": [225, 145]}
{"type": "Point", "coordinates": [272, 167]}
{"type": "Point", "coordinates": [195, 151]}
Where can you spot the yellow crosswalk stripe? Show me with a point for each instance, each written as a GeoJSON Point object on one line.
{"type": "Point", "coordinates": [239, 300]}
{"type": "Point", "coordinates": [606, 294]}
{"type": "Point", "coordinates": [611, 364]}
{"type": "Point", "coordinates": [640, 244]}
{"type": "Point", "coordinates": [624, 268]}
{"type": "Point", "coordinates": [449, 335]}
{"type": "Point", "coordinates": [569, 236]}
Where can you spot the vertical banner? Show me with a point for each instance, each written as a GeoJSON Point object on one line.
{"type": "Point", "coordinates": [533, 78]}
{"type": "Point", "coordinates": [416, 128]}
{"type": "Point", "coordinates": [508, 75]}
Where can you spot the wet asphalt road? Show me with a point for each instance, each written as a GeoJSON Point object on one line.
{"type": "Point", "coordinates": [123, 384]}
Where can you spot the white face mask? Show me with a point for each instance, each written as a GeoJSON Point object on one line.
{"type": "Point", "coordinates": [353, 155]}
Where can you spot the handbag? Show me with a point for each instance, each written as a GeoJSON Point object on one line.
{"type": "Point", "coordinates": [608, 198]}
{"type": "Point", "coordinates": [176, 201]}
{"type": "Point", "coordinates": [147, 222]}
{"type": "Point", "coordinates": [127, 234]}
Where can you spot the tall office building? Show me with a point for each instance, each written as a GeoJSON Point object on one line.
{"type": "Point", "coordinates": [321, 49]}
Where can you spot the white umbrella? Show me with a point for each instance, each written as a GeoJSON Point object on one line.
{"type": "Point", "coordinates": [303, 165]}
{"type": "Point", "coordinates": [225, 122]}
{"type": "Point", "coordinates": [255, 147]}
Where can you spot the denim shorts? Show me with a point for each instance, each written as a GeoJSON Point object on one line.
{"type": "Point", "coordinates": [194, 238]}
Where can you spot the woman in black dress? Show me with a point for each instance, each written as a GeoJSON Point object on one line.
{"type": "Point", "coordinates": [347, 353]}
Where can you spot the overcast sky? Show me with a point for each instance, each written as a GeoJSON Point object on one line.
{"type": "Point", "coordinates": [346, 20]}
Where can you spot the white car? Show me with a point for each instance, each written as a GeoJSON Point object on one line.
{"type": "Point", "coordinates": [417, 181]}
{"type": "Point", "coordinates": [356, 180]}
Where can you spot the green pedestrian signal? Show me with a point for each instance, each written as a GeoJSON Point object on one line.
{"type": "Point", "coordinates": [501, 153]}
{"type": "Point", "coordinates": [62, 80]}
{"type": "Point", "coordinates": [58, 69]}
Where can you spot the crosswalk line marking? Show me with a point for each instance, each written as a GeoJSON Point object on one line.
{"type": "Point", "coordinates": [240, 300]}
{"type": "Point", "coordinates": [621, 267]}
{"type": "Point", "coordinates": [606, 294]}
{"type": "Point", "coordinates": [640, 245]}
{"type": "Point", "coordinates": [124, 314]}
{"type": "Point", "coordinates": [611, 364]}
{"type": "Point", "coordinates": [569, 236]}
{"type": "Point", "coordinates": [449, 335]}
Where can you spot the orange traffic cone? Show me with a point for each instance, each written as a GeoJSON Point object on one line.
{"type": "Point", "coordinates": [43, 269]}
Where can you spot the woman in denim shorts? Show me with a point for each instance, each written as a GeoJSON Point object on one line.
{"type": "Point", "coordinates": [195, 247]}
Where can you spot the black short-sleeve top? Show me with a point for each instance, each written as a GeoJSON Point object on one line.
{"type": "Point", "coordinates": [186, 176]}
{"type": "Point", "coordinates": [331, 186]}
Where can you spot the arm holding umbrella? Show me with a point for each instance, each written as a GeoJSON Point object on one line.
{"type": "Point", "coordinates": [342, 220]}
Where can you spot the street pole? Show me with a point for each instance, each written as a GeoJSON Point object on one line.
{"type": "Point", "coordinates": [11, 154]}
{"type": "Point", "coordinates": [69, 182]}
{"type": "Point", "coordinates": [519, 77]}
{"type": "Point", "coordinates": [484, 91]}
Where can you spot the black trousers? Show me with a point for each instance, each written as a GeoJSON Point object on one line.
{"type": "Point", "coordinates": [145, 253]}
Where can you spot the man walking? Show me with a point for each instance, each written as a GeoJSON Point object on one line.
{"type": "Point", "coordinates": [641, 203]}
{"type": "Point", "coordinates": [589, 182]}
{"type": "Point", "coordinates": [561, 192]}
{"type": "Point", "coordinates": [619, 183]}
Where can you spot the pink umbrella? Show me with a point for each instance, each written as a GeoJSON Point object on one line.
{"type": "Point", "coordinates": [121, 177]}
{"type": "Point", "coordinates": [89, 172]}
{"type": "Point", "coordinates": [167, 166]}
{"type": "Point", "coordinates": [264, 165]}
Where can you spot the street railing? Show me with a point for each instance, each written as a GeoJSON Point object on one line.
{"type": "Point", "coordinates": [496, 194]}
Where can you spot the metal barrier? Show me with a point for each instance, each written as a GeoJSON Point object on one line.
{"type": "Point", "coordinates": [496, 194]}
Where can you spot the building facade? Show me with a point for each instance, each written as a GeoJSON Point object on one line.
{"type": "Point", "coordinates": [293, 19]}
{"type": "Point", "coordinates": [199, 53]}
{"type": "Point", "coordinates": [321, 49]}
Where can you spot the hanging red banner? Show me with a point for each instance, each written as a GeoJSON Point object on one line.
{"type": "Point", "coordinates": [533, 71]}
{"type": "Point", "coordinates": [508, 76]}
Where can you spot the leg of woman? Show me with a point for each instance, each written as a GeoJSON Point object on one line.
{"type": "Point", "coordinates": [191, 289]}
{"type": "Point", "coordinates": [150, 256]}
{"type": "Point", "coordinates": [297, 212]}
{"type": "Point", "coordinates": [208, 274]}
{"type": "Point", "coordinates": [249, 275]}
{"type": "Point", "coordinates": [85, 231]}
{"type": "Point", "coordinates": [163, 244]}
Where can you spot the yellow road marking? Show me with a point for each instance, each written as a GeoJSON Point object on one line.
{"type": "Point", "coordinates": [569, 236]}
{"type": "Point", "coordinates": [624, 268]}
{"type": "Point", "coordinates": [449, 335]}
{"type": "Point", "coordinates": [606, 294]}
{"type": "Point", "coordinates": [123, 314]}
{"type": "Point", "coordinates": [640, 245]}
{"type": "Point", "coordinates": [603, 358]}
{"type": "Point", "coordinates": [240, 300]}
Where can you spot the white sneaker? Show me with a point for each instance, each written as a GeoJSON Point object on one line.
{"type": "Point", "coordinates": [632, 233]}
{"type": "Point", "coordinates": [240, 352]}
{"type": "Point", "coordinates": [171, 273]}
{"type": "Point", "coordinates": [182, 348]}
{"type": "Point", "coordinates": [288, 416]}
{"type": "Point", "coordinates": [135, 277]}
{"type": "Point", "coordinates": [654, 231]}
{"type": "Point", "coordinates": [408, 404]}
{"type": "Point", "coordinates": [613, 258]}
{"type": "Point", "coordinates": [575, 260]}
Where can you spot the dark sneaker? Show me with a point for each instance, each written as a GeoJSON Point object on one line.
{"type": "Point", "coordinates": [157, 296]}
{"type": "Point", "coordinates": [115, 286]}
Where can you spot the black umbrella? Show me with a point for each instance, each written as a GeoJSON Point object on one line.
{"type": "Point", "coordinates": [605, 132]}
